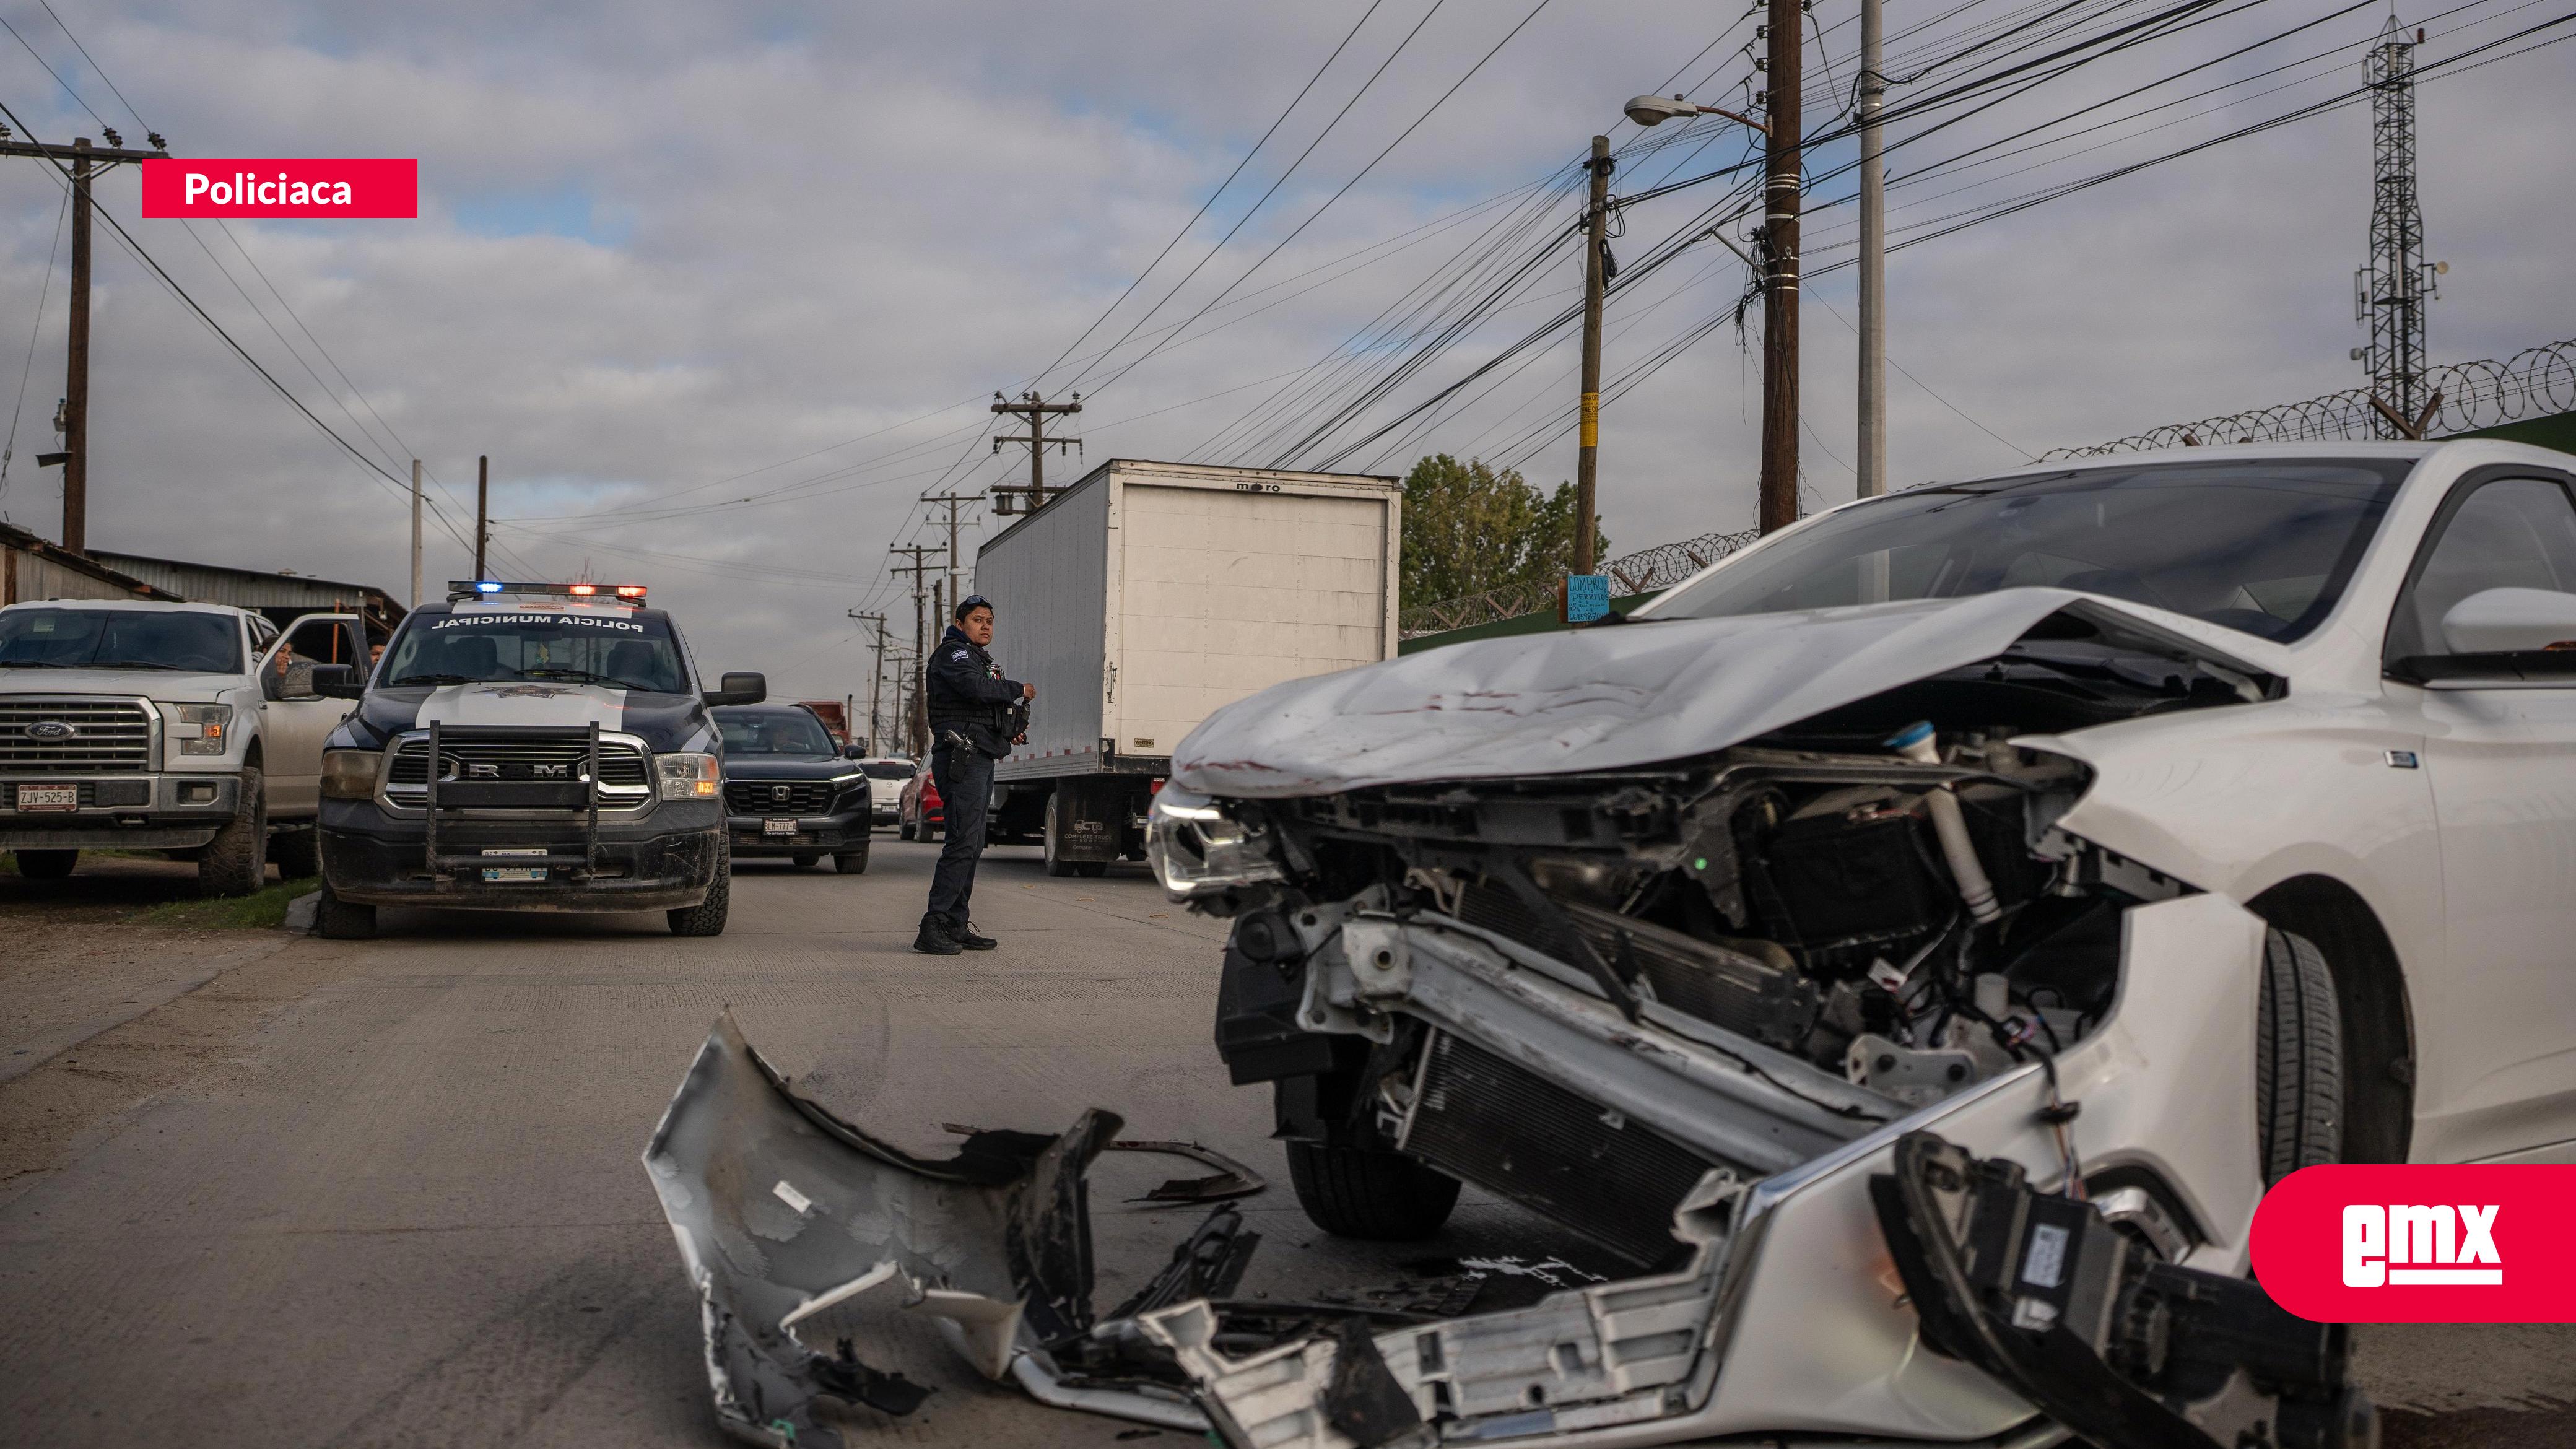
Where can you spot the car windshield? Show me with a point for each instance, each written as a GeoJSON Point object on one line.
{"type": "Point", "coordinates": [887, 769]}
{"type": "Point", "coordinates": [120, 639]}
{"type": "Point", "coordinates": [614, 651]}
{"type": "Point", "coordinates": [774, 732]}
{"type": "Point", "coordinates": [2265, 547]}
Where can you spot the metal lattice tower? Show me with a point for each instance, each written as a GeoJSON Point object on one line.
{"type": "Point", "coordinates": [2389, 292]}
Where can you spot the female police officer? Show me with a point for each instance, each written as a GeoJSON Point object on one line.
{"type": "Point", "coordinates": [975, 717]}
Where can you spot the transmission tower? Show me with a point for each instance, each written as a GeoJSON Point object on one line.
{"type": "Point", "coordinates": [2389, 292]}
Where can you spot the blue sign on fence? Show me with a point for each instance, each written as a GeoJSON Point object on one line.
{"type": "Point", "coordinates": [1587, 597]}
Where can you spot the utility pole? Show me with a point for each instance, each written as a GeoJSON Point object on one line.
{"type": "Point", "coordinates": [952, 500]}
{"type": "Point", "coordinates": [415, 533]}
{"type": "Point", "coordinates": [85, 163]}
{"type": "Point", "coordinates": [1873, 256]}
{"type": "Point", "coordinates": [1779, 499]}
{"type": "Point", "coordinates": [917, 723]}
{"type": "Point", "coordinates": [1035, 409]}
{"type": "Point", "coordinates": [482, 511]}
{"type": "Point", "coordinates": [2389, 291]}
{"type": "Point", "coordinates": [1587, 458]}
{"type": "Point", "coordinates": [876, 681]}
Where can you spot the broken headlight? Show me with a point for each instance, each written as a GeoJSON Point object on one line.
{"type": "Point", "coordinates": [1198, 848]}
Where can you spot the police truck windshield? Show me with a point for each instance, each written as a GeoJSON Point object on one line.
{"type": "Point", "coordinates": [611, 650]}
{"type": "Point", "coordinates": [119, 639]}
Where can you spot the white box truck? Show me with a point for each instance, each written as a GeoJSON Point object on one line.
{"type": "Point", "coordinates": [1145, 596]}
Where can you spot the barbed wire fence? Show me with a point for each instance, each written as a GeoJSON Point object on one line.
{"type": "Point", "coordinates": [1644, 571]}
{"type": "Point", "coordinates": [2467, 396]}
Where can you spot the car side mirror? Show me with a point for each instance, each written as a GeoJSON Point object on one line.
{"type": "Point", "coordinates": [2511, 621]}
{"type": "Point", "coordinates": [739, 689]}
{"type": "Point", "coordinates": [854, 753]}
{"type": "Point", "coordinates": [338, 681]}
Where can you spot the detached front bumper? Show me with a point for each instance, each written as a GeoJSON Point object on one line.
{"type": "Point", "coordinates": [122, 812]}
{"type": "Point", "coordinates": [669, 857]}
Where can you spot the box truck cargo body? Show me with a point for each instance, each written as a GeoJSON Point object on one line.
{"type": "Point", "coordinates": [1145, 596]}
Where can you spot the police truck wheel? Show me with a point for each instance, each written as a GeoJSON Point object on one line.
{"type": "Point", "coordinates": [806, 859]}
{"type": "Point", "coordinates": [707, 917]}
{"type": "Point", "coordinates": [1056, 864]}
{"type": "Point", "coordinates": [236, 860]}
{"type": "Point", "coordinates": [47, 864]}
{"type": "Point", "coordinates": [337, 920]}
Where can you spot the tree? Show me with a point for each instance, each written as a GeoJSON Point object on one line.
{"type": "Point", "coordinates": [1469, 529]}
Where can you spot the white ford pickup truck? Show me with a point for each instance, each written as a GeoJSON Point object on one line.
{"type": "Point", "coordinates": [192, 729]}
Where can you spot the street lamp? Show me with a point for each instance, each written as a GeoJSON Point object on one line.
{"type": "Point", "coordinates": [1655, 110]}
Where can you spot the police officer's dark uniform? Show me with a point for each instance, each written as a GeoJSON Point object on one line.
{"type": "Point", "coordinates": [974, 714]}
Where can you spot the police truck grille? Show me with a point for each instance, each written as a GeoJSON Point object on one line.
{"type": "Point", "coordinates": [74, 737]}
{"type": "Point", "coordinates": [762, 797]}
{"type": "Point", "coordinates": [472, 756]}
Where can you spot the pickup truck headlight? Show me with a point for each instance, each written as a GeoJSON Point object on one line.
{"type": "Point", "coordinates": [689, 777]}
{"type": "Point", "coordinates": [1198, 849]}
{"type": "Point", "coordinates": [349, 774]}
{"type": "Point", "coordinates": [213, 722]}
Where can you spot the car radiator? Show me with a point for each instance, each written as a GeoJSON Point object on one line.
{"type": "Point", "coordinates": [1484, 1120]}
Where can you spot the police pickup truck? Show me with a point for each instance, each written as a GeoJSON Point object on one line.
{"type": "Point", "coordinates": [530, 747]}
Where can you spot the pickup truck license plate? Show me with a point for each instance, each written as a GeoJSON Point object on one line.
{"type": "Point", "coordinates": [49, 797]}
{"type": "Point", "coordinates": [778, 827]}
{"type": "Point", "coordinates": [514, 872]}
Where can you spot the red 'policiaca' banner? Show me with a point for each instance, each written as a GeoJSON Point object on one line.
{"type": "Point", "coordinates": [319, 189]}
{"type": "Point", "coordinates": [2421, 1243]}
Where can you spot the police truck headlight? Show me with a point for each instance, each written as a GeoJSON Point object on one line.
{"type": "Point", "coordinates": [204, 729]}
{"type": "Point", "coordinates": [689, 777]}
{"type": "Point", "coordinates": [349, 774]}
{"type": "Point", "coordinates": [1197, 849]}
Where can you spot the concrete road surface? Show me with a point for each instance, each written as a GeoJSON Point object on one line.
{"type": "Point", "coordinates": [277, 1191]}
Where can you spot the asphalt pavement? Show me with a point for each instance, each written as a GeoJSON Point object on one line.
{"type": "Point", "coordinates": [260, 1189]}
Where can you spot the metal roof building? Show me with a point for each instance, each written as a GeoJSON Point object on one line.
{"type": "Point", "coordinates": [33, 569]}
{"type": "Point", "coordinates": [280, 596]}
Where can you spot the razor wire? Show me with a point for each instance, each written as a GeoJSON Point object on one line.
{"type": "Point", "coordinates": [1645, 571]}
{"type": "Point", "coordinates": [2467, 396]}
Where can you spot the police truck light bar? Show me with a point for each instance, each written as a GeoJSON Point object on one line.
{"type": "Point", "coordinates": [468, 588]}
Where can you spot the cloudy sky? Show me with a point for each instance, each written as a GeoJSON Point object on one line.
{"type": "Point", "coordinates": [723, 289]}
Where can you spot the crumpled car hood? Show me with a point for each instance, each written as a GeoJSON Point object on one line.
{"type": "Point", "coordinates": [1592, 699]}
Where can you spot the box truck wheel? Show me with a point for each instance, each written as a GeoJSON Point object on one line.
{"type": "Point", "coordinates": [1056, 864]}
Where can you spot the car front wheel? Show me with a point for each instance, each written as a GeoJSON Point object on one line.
{"type": "Point", "coordinates": [1359, 1192]}
{"type": "Point", "coordinates": [2298, 1059]}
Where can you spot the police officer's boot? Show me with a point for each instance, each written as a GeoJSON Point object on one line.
{"type": "Point", "coordinates": [934, 939]}
{"type": "Point", "coordinates": [964, 935]}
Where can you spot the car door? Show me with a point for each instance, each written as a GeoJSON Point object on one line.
{"type": "Point", "coordinates": [2496, 1029]}
{"type": "Point", "coordinates": [293, 719]}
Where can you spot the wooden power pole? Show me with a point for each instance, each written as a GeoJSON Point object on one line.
{"type": "Point", "coordinates": [917, 720]}
{"type": "Point", "coordinates": [1587, 457]}
{"type": "Point", "coordinates": [482, 511]}
{"type": "Point", "coordinates": [1035, 409]}
{"type": "Point", "coordinates": [876, 680]}
{"type": "Point", "coordinates": [952, 500]}
{"type": "Point", "coordinates": [80, 163]}
{"type": "Point", "coordinates": [1779, 499]}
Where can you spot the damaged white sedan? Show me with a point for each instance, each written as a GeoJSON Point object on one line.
{"type": "Point", "coordinates": [1913, 945]}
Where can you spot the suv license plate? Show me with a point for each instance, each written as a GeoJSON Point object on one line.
{"type": "Point", "coordinates": [49, 797]}
{"type": "Point", "coordinates": [778, 827]}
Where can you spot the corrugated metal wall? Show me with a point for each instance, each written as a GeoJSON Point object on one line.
{"type": "Point", "coordinates": [239, 588]}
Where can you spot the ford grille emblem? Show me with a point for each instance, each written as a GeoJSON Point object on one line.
{"type": "Point", "coordinates": [50, 729]}
{"type": "Point", "coordinates": [778, 793]}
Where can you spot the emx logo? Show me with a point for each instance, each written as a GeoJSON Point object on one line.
{"type": "Point", "coordinates": [2421, 1244]}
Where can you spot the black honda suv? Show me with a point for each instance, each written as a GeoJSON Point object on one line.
{"type": "Point", "coordinates": [788, 791]}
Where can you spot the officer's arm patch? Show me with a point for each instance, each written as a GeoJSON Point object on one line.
{"type": "Point", "coordinates": [959, 655]}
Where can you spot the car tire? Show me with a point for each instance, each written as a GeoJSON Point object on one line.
{"type": "Point", "coordinates": [2298, 1059]}
{"type": "Point", "coordinates": [852, 862]}
{"type": "Point", "coordinates": [47, 864]}
{"type": "Point", "coordinates": [298, 853]}
{"type": "Point", "coordinates": [806, 859]}
{"type": "Point", "coordinates": [707, 917]}
{"type": "Point", "coordinates": [1357, 1192]}
{"type": "Point", "coordinates": [236, 860]}
{"type": "Point", "coordinates": [337, 920]}
{"type": "Point", "coordinates": [903, 832]}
